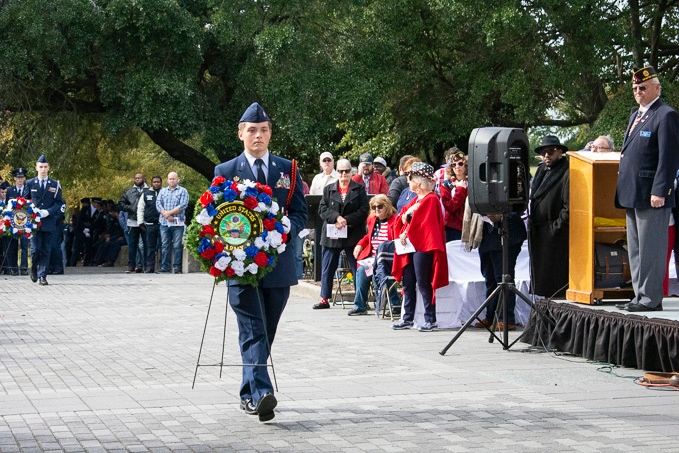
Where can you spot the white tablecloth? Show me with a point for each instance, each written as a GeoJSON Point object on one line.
{"type": "Point", "coordinates": [466, 291]}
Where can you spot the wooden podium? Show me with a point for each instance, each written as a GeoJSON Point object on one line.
{"type": "Point", "coordinates": [593, 177]}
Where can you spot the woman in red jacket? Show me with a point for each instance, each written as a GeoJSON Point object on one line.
{"type": "Point", "coordinates": [426, 269]}
{"type": "Point", "coordinates": [380, 229]}
{"type": "Point", "coordinates": [454, 194]}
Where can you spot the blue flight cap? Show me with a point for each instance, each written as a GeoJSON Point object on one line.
{"type": "Point", "coordinates": [254, 114]}
{"type": "Point", "coordinates": [42, 159]}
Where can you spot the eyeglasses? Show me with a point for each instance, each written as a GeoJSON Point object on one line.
{"type": "Point", "coordinates": [344, 171]}
{"type": "Point", "coordinates": [327, 160]}
{"type": "Point", "coordinates": [459, 163]}
{"type": "Point", "coordinates": [550, 151]}
{"type": "Point", "coordinates": [378, 206]}
{"type": "Point", "coordinates": [643, 88]}
{"type": "Point", "coordinates": [595, 147]}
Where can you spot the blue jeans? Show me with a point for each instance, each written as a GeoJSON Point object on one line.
{"type": "Point", "coordinates": [362, 289]}
{"type": "Point", "coordinates": [329, 264]}
{"type": "Point", "coordinates": [151, 240]}
{"type": "Point", "coordinates": [171, 236]}
{"type": "Point", "coordinates": [133, 236]}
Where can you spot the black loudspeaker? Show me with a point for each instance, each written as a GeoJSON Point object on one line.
{"type": "Point", "coordinates": [498, 170]}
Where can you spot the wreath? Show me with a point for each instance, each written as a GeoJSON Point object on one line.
{"type": "Point", "coordinates": [238, 231]}
{"type": "Point", "coordinates": [19, 218]}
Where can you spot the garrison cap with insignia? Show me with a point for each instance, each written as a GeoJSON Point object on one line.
{"type": "Point", "coordinates": [254, 114]}
{"type": "Point", "coordinates": [42, 160]}
{"type": "Point", "coordinates": [643, 74]}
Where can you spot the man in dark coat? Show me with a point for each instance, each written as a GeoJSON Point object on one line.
{"type": "Point", "coordinates": [649, 160]}
{"type": "Point", "coordinates": [256, 163]}
{"type": "Point", "coordinates": [548, 220]}
{"type": "Point", "coordinates": [45, 193]}
{"type": "Point", "coordinates": [19, 189]}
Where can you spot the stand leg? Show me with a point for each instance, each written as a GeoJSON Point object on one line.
{"type": "Point", "coordinates": [202, 340]}
{"type": "Point", "coordinates": [226, 310]}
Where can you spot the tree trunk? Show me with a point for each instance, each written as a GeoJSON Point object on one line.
{"type": "Point", "coordinates": [182, 152]}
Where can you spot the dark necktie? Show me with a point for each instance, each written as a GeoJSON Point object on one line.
{"type": "Point", "coordinates": [42, 184]}
{"type": "Point", "coordinates": [260, 171]}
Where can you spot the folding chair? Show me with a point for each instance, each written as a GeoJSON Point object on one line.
{"type": "Point", "coordinates": [340, 275]}
{"type": "Point", "coordinates": [383, 282]}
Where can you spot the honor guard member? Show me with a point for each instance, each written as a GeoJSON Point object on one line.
{"type": "Point", "coordinates": [19, 189]}
{"type": "Point", "coordinates": [256, 163]}
{"type": "Point", "coordinates": [45, 193]}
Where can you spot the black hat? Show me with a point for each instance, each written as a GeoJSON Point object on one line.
{"type": "Point", "coordinates": [422, 169]}
{"type": "Point", "coordinates": [19, 172]}
{"type": "Point", "coordinates": [96, 200]}
{"type": "Point", "coordinates": [254, 114]}
{"type": "Point", "coordinates": [550, 140]}
{"type": "Point", "coordinates": [85, 200]}
{"type": "Point", "coordinates": [42, 160]}
{"type": "Point", "coordinates": [643, 74]}
{"type": "Point", "coordinates": [366, 158]}
{"type": "Point", "coordinates": [4, 185]}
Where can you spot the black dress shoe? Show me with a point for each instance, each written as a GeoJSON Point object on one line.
{"type": "Point", "coordinates": [24, 271]}
{"type": "Point", "coordinates": [43, 281]}
{"type": "Point", "coordinates": [265, 407]}
{"type": "Point", "coordinates": [34, 274]}
{"type": "Point", "coordinates": [248, 406]}
{"type": "Point", "coordinates": [14, 273]}
{"type": "Point", "coordinates": [635, 307]}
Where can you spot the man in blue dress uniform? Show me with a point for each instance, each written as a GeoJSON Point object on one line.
{"type": "Point", "coordinates": [45, 193]}
{"type": "Point", "coordinates": [256, 163]}
{"type": "Point", "coordinates": [19, 189]}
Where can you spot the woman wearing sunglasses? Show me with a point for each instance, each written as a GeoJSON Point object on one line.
{"type": "Point", "coordinates": [453, 195]}
{"type": "Point", "coordinates": [380, 229]}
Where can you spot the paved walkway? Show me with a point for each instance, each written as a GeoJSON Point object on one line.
{"type": "Point", "coordinates": [105, 361]}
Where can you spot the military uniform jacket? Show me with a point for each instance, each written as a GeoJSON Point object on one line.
{"type": "Point", "coordinates": [14, 192]}
{"type": "Point", "coordinates": [649, 158]}
{"type": "Point", "coordinates": [49, 199]}
{"type": "Point", "coordinates": [280, 170]}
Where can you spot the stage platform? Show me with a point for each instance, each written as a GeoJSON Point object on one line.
{"type": "Point", "coordinates": [648, 341]}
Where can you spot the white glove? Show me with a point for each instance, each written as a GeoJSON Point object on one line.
{"type": "Point", "coordinates": [44, 213]}
{"type": "Point", "coordinates": [86, 232]}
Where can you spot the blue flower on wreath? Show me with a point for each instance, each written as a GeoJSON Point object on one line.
{"type": "Point", "coordinates": [211, 210]}
{"type": "Point", "coordinates": [219, 255]}
{"type": "Point", "coordinates": [215, 189]}
{"type": "Point", "coordinates": [279, 228]}
{"type": "Point", "coordinates": [270, 215]}
{"type": "Point", "coordinates": [251, 251]}
{"type": "Point", "coordinates": [251, 192]}
{"type": "Point", "coordinates": [204, 245]}
{"type": "Point", "coordinates": [229, 195]}
{"type": "Point", "coordinates": [269, 263]}
{"type": "Point", "coordinates": [264, 235]}
{"type": "Point", "coordinates": [264, 198]}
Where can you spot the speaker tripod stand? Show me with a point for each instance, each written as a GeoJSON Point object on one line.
{"type": "Point", "coordinates": [502, 290]}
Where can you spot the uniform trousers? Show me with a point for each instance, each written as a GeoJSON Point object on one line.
{"type": "Point", "coordinates": [41, 250]}
{"type": "Point", "coordinates": [647, 246]}
{"type": "Point", "coordinates": [245, 302]}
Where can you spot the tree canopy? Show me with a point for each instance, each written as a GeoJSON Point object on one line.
{"type": "Point", "coordinates": [348, 76]}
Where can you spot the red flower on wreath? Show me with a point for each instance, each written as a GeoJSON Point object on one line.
{"type": "Point", "coordinates": [261, 259]}
{"type": "Point", "coordinates": [284, 237]}
{"type": "Point", "coordinates": [219, 247]}
{"type": "Point", "coordinates": [229, 271]}
{"type": "Point", "coordinates": [215, 272]}
{"type": "Point", "coordinates": [207, 230]}
{"type": "Point", "coordinates": [218, 180]}
{"type": "Point", "coordinates": [264, 188]}
{"type": "Point", "coordinates": [269, 224]}
{"type": "Point", "coordinates": [250, 202]}
{"type": "Point", "coordinates": [208, 254]}
{"type": "Point", "coordinates": [206, 198]}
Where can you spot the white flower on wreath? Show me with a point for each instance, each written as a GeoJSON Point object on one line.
{"type": "Point", "coordinates": [204, 218]}
{"type": "Point", "coordinates": [262, 244]}
{"type": "Point", "coordinates": [286, 224]}
{"type": "Point", "coordinates": [274, 238]}
{"type": "Point", "coordinates": [252, 268]}
{"type": "Point", "coordinates": [222, 263]}
{"type": "Point", "coordinates": [238, 267]}
{"type": "Point", "coordinates": [239, 255]}
{"type": "Point", "coordinates": [262, 207]}
{"type": "Point", "coordinates": [274, 208]}
{"type": "Point", "coordinates": [280, 248]}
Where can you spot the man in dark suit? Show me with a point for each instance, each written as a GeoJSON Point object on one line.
{"type": "Point", "coordinates": [256, 163]}
{"type": "Point", "coordinates": [45, 193]}
{"type": "Point", "coordinates": [649, 161]}
{"type": "Point", "coordinates": [19, 189]}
